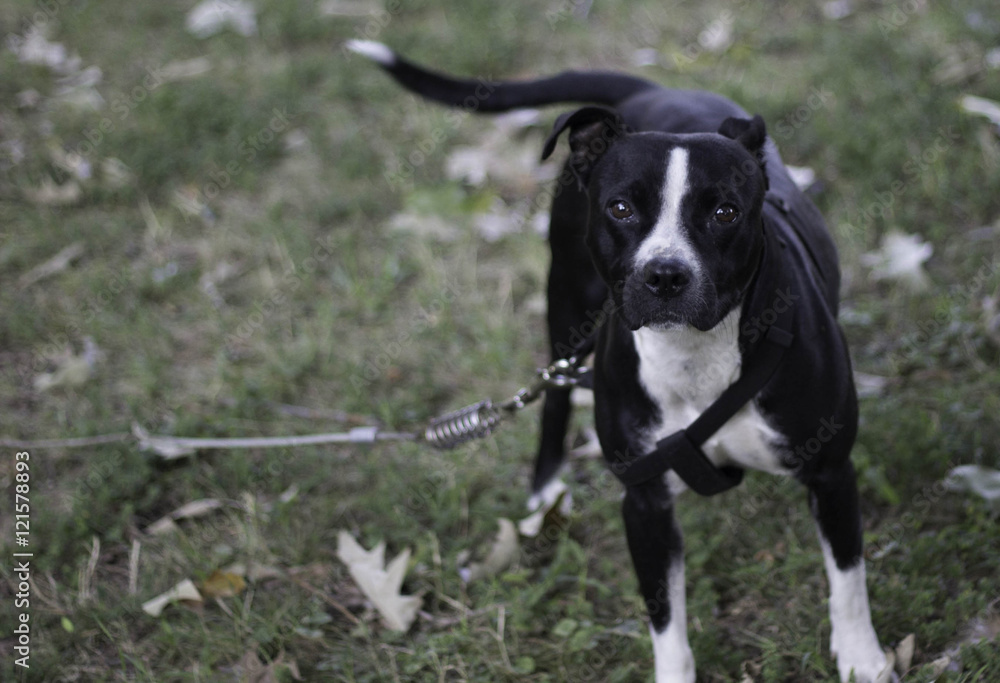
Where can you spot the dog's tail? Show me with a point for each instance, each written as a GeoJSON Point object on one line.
{"type": "Point", "coordinates": [597, 87]}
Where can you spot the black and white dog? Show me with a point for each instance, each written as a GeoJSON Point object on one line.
{"type": "Point", "coordinates": [675, 207]}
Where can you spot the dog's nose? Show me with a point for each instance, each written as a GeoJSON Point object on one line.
{"type": "Point", "coordinates": [666, 277]}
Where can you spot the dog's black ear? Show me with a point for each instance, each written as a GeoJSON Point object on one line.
{"type": "Point", "coordinates": [751, 133]}
{"type": "Point", "coordinates": [591, 132]}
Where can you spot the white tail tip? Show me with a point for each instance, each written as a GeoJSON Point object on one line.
{"type": "Point", "coordinates": [375, 51]}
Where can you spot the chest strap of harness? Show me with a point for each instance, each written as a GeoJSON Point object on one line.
{"type": "Point", "coordinates": [681, 451]}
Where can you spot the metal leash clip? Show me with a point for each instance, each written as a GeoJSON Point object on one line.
{"type": "Point", "coordinates": [480, 419]}
{"type": "Point", "coordinates": [455, 428]}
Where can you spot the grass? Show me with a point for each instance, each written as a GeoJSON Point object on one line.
{"type": "Point", "coordinates": [218, 285]}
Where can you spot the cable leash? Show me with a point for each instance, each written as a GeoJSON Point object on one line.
{"type": "Point", "coordinates": [480, 419]}
{"type": "Point", "coordinates": [445, 432]}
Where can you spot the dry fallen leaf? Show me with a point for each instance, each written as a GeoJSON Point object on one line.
{"type": "Point", "coordinates": [51, 194]}
{"type": "Point", "coordinates": [256, 572]}
{"type": "Point", "coordinates": [196, 508]}
{"type": "Point", "coordinates": [349, 8]}
{"type": "Point", "coordinates": [52, 266]}
{"type": "Point", "coordinates": [221, 584]}
{"type": "Point", "coordinates": [869, 385]}
{"type": "Point", "coordinates": [971, 104]}
{"type": "Point", "coordinates": [35, 48]}
{"type": "Point", "coordinates": [115, 174]}
{"type": "Point", "coordinates": [717, 37]}
{"type": "Point", "coordinates": [504, 552]}
{"type": "Point", "coordinates": [379, 582]}
{"type": "Point", "coordinates": [982, 481]}
{"type": "Point", "coordinates": [184, 69]}
{"type": "Point", "coordinates": [904, 653]}
{"type": "Point", "coordinates": [886, 675]}
{"type": "Point", "coordinates": [185, 591]}
{"type": "Point", "coordinates": [72, 370]}
{"type": "Point", "coordinates": [212, 16]}
{"type": "Point", "coordinates": [803, 176]}
{"type": "Point", "coordinates": [251, 669]}
{"type": "Point", "coordinates": [162, 527]}
{"type": "Point", "coordinates": [425, 226]}
{"type": "Point", "coordinates": [901, 258]}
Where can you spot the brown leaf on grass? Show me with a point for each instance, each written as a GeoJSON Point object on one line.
{"type": "Point", "coordinates": [222, 584]}
{"type": "Point", "coordinates": [503, 553]}
{"type": "Point", "coordinates": [379, 582]}
{"type": "Point", "coordinates": [256, 572]}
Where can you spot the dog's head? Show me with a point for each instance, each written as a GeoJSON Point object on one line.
{"type": "Point", "coordinates": [674, 220]}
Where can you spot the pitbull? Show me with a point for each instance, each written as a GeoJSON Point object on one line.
{"type": "Point", "coordinates": [676, 220]}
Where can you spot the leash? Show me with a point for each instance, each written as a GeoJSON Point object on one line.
{"type": "Point", "coordinates": [480, 419]}
{"type": "Point", "coordinates": [680, 452]}
{"type": "Point", "coordinates": [445, 432]}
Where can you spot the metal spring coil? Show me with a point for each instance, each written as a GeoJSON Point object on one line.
{"type": "Point", "coordinates": [466, 424]}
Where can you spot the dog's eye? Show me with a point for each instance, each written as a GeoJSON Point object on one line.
{"type": "Point", "coordinates": [620, 210]}
{"type": "Point", "coordinates": [727, 213]}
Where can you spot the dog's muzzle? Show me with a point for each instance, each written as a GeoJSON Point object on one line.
{"type": "Point", "coordinates": [664, 292]}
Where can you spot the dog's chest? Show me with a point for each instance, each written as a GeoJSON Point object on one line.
{"type": "Point", "coordinates": [684, 371]}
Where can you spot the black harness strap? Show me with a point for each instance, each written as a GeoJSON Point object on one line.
{"type": "Point", "coordinates": [681, 451]}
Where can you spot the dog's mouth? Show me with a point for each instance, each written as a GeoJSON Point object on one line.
{"type": "Point", "coordinates": [638, 320]}
{"type": "Point", "coordinates": [641, 308]}
{"type": "Point", "coordinates": [655, 314]}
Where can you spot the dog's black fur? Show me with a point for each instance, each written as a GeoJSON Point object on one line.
{"type": "Point", "coordinates": [740, 242]}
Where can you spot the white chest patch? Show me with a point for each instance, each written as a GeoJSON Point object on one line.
{"type": "Point", "coordinates": [684, 371]}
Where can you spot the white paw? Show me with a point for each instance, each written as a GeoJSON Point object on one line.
{"type": "Point", "coordinates": [683, 672]}
{"type": "Point", "coordinates": [675, 676]}
{"type": "Point", "coordinates": [864, 660]}
{"type": "Point", "coordinates": [549, 495]}
{"type": "Point", "coordinates": [671, 652]}
{"type": "Point", "coordinates": [542, 502]}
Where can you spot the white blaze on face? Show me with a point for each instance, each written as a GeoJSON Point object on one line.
{"type": "Point", "coordinates": [667, 238]}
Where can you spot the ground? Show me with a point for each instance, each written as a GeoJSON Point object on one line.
{"type": "Point", "coordinates": [262, 235]}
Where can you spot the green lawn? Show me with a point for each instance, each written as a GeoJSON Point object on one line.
{"type": "Point", "coordinates": [252, 223]}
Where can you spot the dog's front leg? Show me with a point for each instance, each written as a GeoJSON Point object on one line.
{"type": "Point", "coordinates": [833, 498]}
{"type": "Point", "coordinates": [656, 545]}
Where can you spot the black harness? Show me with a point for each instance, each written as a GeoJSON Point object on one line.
{"type": "Point", "coordinates": [681, 451]}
